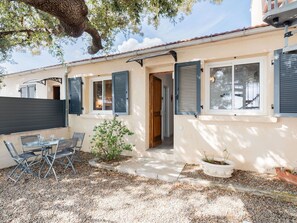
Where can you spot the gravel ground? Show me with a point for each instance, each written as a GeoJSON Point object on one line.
{"type": "Point", "coordinates": [244, 178]}
{"type": "Point", "coordinates": [94, 195]}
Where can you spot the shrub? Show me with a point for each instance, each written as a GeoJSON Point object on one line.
{"type": "Point", "coordinates": [108, 140]}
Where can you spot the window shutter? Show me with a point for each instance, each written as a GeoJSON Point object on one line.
{"type": "Point", "coordinates": [120, 93]}
{"type": "Point", "coordinates": [285, 84]}
{"type": "Point", "coordinates": [187, 88]}
{"type": "Point", "coordinates": [75, 95]}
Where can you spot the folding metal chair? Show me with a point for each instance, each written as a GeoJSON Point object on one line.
{"type": "Point", "coordinates": [22, 161]}
{"type": "Point", "coordinates": [80, 139]}
{"type": "Point", "coordinates": [64, 150]}
{"type": "Point", "coordinates": [30, 142]}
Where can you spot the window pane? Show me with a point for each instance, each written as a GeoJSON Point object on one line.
{"type": "Point", "coordinates": [31, 91]}
{"type": "Point", "coordinates": [221, 88]}
{"type": "Point", "coordinates": [23, 91]}
{"type": "Point", "coordinates": [107, 99]}
{"type": "Point", "coordinates": [97, 99]}
{"type": "Point", "coordinates": [188, 88]}
{"type": "Point", "coordinates": [247, 86]}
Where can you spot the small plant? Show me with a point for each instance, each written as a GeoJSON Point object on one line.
{"type": "Point", "coordinates": [212, 160]}
{"type": "Point", "coordinates": [108, 140]}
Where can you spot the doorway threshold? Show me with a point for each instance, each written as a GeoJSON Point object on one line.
{"type": "Point", "coordinates": [165, 147]}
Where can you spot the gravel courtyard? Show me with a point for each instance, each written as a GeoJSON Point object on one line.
{"type": "Point", "coordinates": [94, 195]}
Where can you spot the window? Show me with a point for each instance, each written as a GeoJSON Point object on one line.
{"type": "Point", "coordinates": [102, 95]}
{"type": "Point", "coordinates": [110, 94]}
{"type": "Point", "coordinates": [235, 87]}
{"type": "Point", "coordinates": [28, 91]}
{"type": "Point", "coordinates": [187, 88]}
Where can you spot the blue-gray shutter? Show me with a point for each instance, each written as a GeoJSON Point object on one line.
{"type": "Point", "coordinates": [75, 95]}
{"type": "Point", "coordinates": [285, 84]}
{"type": "Point", "coordinates": [120, 93]}
{"type": "Point", "coordinates": [187, 88]}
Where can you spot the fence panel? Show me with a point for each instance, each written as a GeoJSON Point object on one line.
{"type": "Point", "coordinates": [27, 114]}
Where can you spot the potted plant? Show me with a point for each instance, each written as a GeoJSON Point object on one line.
{"type": "Point", "coordinates": [217, 167]}
{"type": "Point", "coordinates": [287, 175]}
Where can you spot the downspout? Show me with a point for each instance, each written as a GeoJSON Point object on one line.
{"type": "Point", "coordinates": [66, 94]}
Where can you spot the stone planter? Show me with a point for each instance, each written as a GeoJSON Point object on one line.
{"type": "Point", "coordinates": [285, 175]}
{"type": "Point", "coordinates": [218, 170]}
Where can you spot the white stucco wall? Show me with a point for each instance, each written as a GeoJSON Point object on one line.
{"type": "Point", "coordinates": [7, 161]}
{"type": "Point", "coordinates": [15, 81]}
{"type": "Point", "coordinates": [257, 12]}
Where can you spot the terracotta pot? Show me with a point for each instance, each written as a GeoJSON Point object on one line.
{"type": "Point", "coordinates": [286, 175]}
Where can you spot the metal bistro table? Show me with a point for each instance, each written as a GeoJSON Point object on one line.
{"type": "Point", "coordinates": [45, 145]}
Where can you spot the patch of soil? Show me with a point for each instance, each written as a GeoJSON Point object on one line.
{"type": "Point", "coordinates": [243, 178]}
{"type": "Point", "coordinates": [216, 162]}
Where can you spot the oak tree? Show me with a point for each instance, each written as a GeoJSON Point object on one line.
{"type": "Point", "coordinates": [37, 24]}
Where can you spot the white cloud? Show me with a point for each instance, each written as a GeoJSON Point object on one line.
{"type": "Point", "coordinates": [133, 44]}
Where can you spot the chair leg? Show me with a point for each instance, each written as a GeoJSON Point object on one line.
{"type": "Point", "coordinates": [22, 167]}
{"type": "Point", "coordinates": [70, 164]}
{"type": "Point", "coordinates": [51, 168]}
{"type": "Point", "coordinates": [11, 173]}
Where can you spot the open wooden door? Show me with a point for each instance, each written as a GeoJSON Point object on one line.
{"type": "Point", "coordinates": [155, 111]}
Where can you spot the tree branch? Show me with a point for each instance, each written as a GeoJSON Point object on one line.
{"type": "Point", "coordinates": [27, 31]}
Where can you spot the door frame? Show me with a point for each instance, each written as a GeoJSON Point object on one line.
{"type": "Point", "coordinates": [151, 120]}
{"type": "Point", "coordinates": [165, 107]}
{"type": "Point", "coordinates": [151, 107]}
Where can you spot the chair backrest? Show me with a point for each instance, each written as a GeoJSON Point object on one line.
{"type": "Point", "coordinates": [11, 149]}
{"type": "Point", "coordinates": [25, 140]}
{"type": "Point", "coordinates": [80, 138]}
{"type": "Point", "coordinates": [66, 144]}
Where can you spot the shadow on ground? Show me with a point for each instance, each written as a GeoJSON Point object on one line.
{"type": "Point", "coordinates": [95, 195]}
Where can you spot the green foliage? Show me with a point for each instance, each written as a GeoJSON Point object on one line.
{"type": "Point", "coordinates": [24, 27]}
{"type": "Point", "coordinates": [108, 141]}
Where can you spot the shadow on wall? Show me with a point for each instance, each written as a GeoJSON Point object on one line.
{"type": "Point", "coordinates": [252, 146]}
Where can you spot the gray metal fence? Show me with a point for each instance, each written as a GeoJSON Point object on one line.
{"type": "Point", "coordinates": [26, 114]}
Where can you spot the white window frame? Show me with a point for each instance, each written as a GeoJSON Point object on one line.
{"type": "Point", "coordinates": [91, 95]}
{"type": "Point", "coordinates": [27, 90]}
{"type": "Point", "coordinates": [263, 87]}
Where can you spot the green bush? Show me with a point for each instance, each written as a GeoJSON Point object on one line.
{"type": "Point", "coordinates": [108, 140]}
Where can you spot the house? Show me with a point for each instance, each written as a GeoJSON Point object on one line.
{"type": "Point", "coordinates": [232, 90]}
{"type": "Point", "coordinates": [30, 84]}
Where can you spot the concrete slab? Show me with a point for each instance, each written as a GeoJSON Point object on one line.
{"type": "Point", "coordinates": [152, 168]}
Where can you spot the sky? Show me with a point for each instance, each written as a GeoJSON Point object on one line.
{"type": "Point", "coordinates": [205, 19]}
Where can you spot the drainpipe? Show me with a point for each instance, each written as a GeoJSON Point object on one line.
{"type": "Point", "coordinates": [66, 94]}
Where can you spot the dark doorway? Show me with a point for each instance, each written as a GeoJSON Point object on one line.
{"type": "Point", "coordinates": [56, 92]}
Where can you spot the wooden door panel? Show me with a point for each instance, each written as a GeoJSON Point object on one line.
{"type": "Point", "coordinates": [155, 111]}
